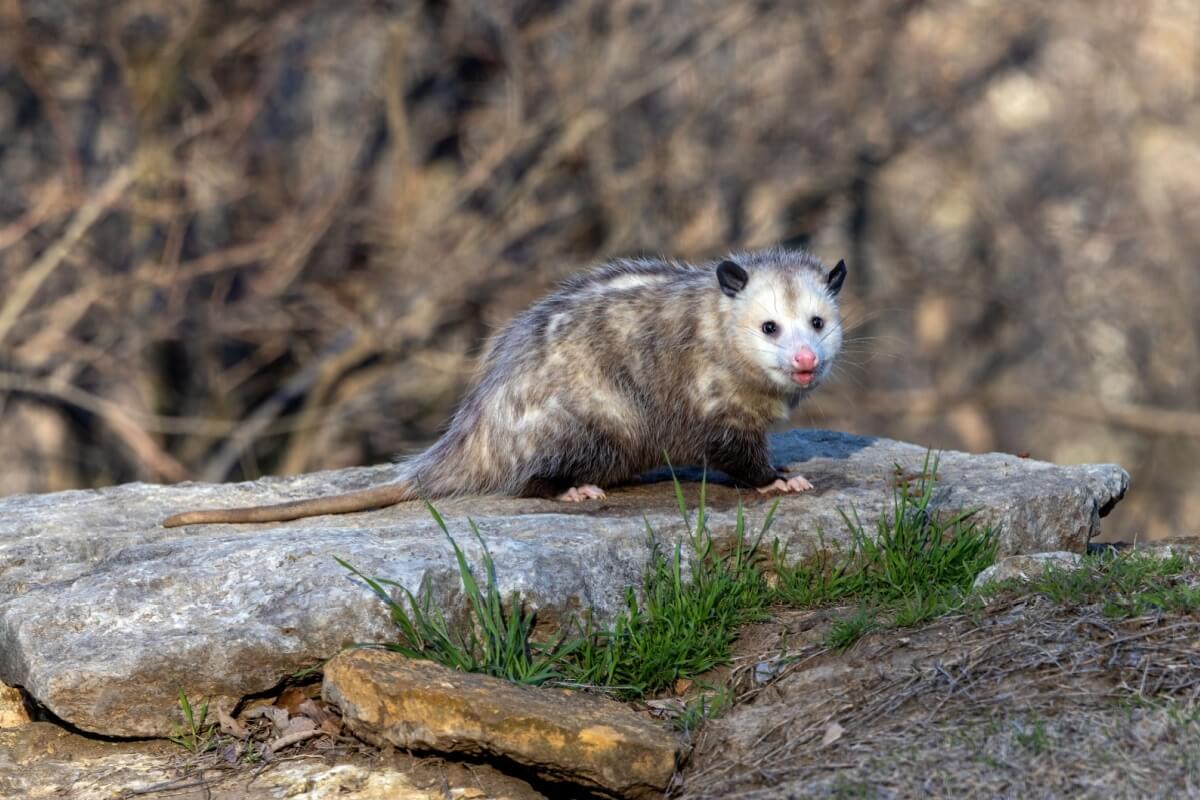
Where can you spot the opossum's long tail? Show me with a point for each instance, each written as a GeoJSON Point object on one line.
{"type": "Point", "coordinates": [364, 500]}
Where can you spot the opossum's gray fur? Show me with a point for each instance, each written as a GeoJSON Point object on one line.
{"type": "Point", "coordinates": [597, 381]}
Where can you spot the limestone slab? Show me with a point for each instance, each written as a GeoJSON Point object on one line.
{"type": "Point", "coordinates": [105, 615]}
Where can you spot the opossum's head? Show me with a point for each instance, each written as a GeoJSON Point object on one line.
{"type": "Point", "coordinates": [785, 315]}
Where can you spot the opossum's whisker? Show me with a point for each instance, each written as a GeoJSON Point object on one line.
{"type": "Point", "coordinates": [854, 339]}
{"type": "Point", "coordinates": [884, 338]}
{"type": "Point", "coordinates": [864, 317]}
{"type": "Point", "coordinates": [830, 331]}
{"type": "Point", "coordinates": [855, 379]}
{"type": "Point", "coordinates": [868, 355]}
{"type": "Point", "coordinates": [872, 348]}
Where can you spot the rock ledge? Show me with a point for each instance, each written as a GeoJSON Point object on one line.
{"type": "Point", "coordinates": [105, 616]}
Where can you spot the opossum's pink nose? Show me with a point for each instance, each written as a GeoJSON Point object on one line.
{"type": "Point", "coordinates": [804, 360]}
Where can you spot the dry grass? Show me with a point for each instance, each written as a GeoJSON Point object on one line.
{"type": "Point", "coordinates": [1025, 697]}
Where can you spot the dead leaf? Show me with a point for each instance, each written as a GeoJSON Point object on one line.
{"type": "Point", "coordinates": [683, 685]}
{"type": "Point", "coordinates": [291, 698]}
{"type": "Point", "coordinates": [833, 732]}
{"type": "Point", "coordinates": [298, 725]}
{"type": "Point", "coordinates": [318, 712]}
{"type": "Point", "coordinates": [279, 717]}
{"type": "Point", "coordinates": [315, 710]}
{"type": "Point", "coordinates": [230, 726]}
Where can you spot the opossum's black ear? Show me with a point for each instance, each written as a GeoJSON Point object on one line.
{"type": "Point", "coordinates": [836, 276]}
{"type": "Point", "coordinates": [731, 277]}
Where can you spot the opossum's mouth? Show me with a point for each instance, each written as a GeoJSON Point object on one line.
{"type": "Point", "coordinates": [804, 377]}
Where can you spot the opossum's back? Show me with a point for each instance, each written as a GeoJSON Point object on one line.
{"type": "Point", "coordinates": [612, 317]}
{"type": "Point", "coordinates": [589, 350]}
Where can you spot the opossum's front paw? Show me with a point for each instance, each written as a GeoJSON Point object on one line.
{"type": "Point", "coordinates": [577, 494]}
{"type": "Point", "coordinates": [797, 483]}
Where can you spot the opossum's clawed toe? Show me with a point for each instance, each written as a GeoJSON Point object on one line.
{"type": "Point", "coordinates": [796, 483]}
{"type": "Point", "coordinates": [578, 494]}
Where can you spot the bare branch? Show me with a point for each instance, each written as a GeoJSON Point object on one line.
{"type": "Point", "coordinates": [84, 219]}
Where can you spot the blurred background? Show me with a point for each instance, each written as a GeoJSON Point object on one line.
{"type": "Point", "coordinates": [250, 237]}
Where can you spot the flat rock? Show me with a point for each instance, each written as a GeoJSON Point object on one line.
{"type": "Point", "coordinates": [561, 735]}
{"type": "Point", "coordinates": [105, 615]}
{"type": "Point", "coordinates": [44, 761]}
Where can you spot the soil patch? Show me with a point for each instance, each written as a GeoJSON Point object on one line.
{"type": "Point", "coordinates": [1022, 697]}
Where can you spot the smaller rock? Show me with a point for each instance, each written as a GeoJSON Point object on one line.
{"type": "Point", "coordinates": [13, 711]}
{"type": "Point", "coordinates": [561, 735]}
{"type": "Point", "coordinates": [1187, 547]}
{"type": "Point", "coordinates": [1025, 567]}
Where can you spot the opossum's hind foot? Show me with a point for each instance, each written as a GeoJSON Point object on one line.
{"type": "Point", "coordinates": [577, 494]}
{"type": "Point", "coordinates": [797, 483]}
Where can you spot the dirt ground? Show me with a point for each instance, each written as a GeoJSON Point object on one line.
{"type": "Point", "coordinates": [1023, 697]}
{"type": "Point", "coordinates": [1026, 698]}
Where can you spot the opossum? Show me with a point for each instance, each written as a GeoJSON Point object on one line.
{"type": "Point", "coordinates": [619, 369]}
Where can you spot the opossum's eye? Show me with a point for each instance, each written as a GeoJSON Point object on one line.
{"type": "Point", "coordinates": [770, 328]}
{"type": "Point", "coordinates": [817, 323]}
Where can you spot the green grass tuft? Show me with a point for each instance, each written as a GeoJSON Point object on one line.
{"type": "Point", "coordinates": [197, 735]}
{"type": "Point", "coordinates": [693, 599]}
{"type": "Point", "coordinates": [1033, 737]}
{"type": "Point", "coordinates": [1129, 584]}
{"type": "Point", "coordinates": [497, 642]}
{"type": "Point", "coordinates": [703, 707]}
{"type": "Point", "coordinates": [915, 567]}
{"type": "Point", "coordinates": [848, 630]}
{"type": "Point", "coordinates": [912, 553]}
{"type": "Point", "coordinates": [684, 624]}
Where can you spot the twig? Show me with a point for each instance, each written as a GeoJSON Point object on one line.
{"type": "Point", "coordinates": [292, 738]}
{"type": "Point", "coordinates": [92, 403]}
{"type": "Point", "coordinates": [261, 418]}
{"type": "Point", "coordinates": [174, 785]}
{"type": "Point", "coordinates": [127, 429]}
{"type": "Point", "coordinates": [299, 450]}
{"type": "Point", "coordinates": [51, 202]}
{"type": "Point", "coordinates": [84, 218]}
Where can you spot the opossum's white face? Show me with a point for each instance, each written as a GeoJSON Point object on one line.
{"type": "Point", "coordinates": [786, 321]}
